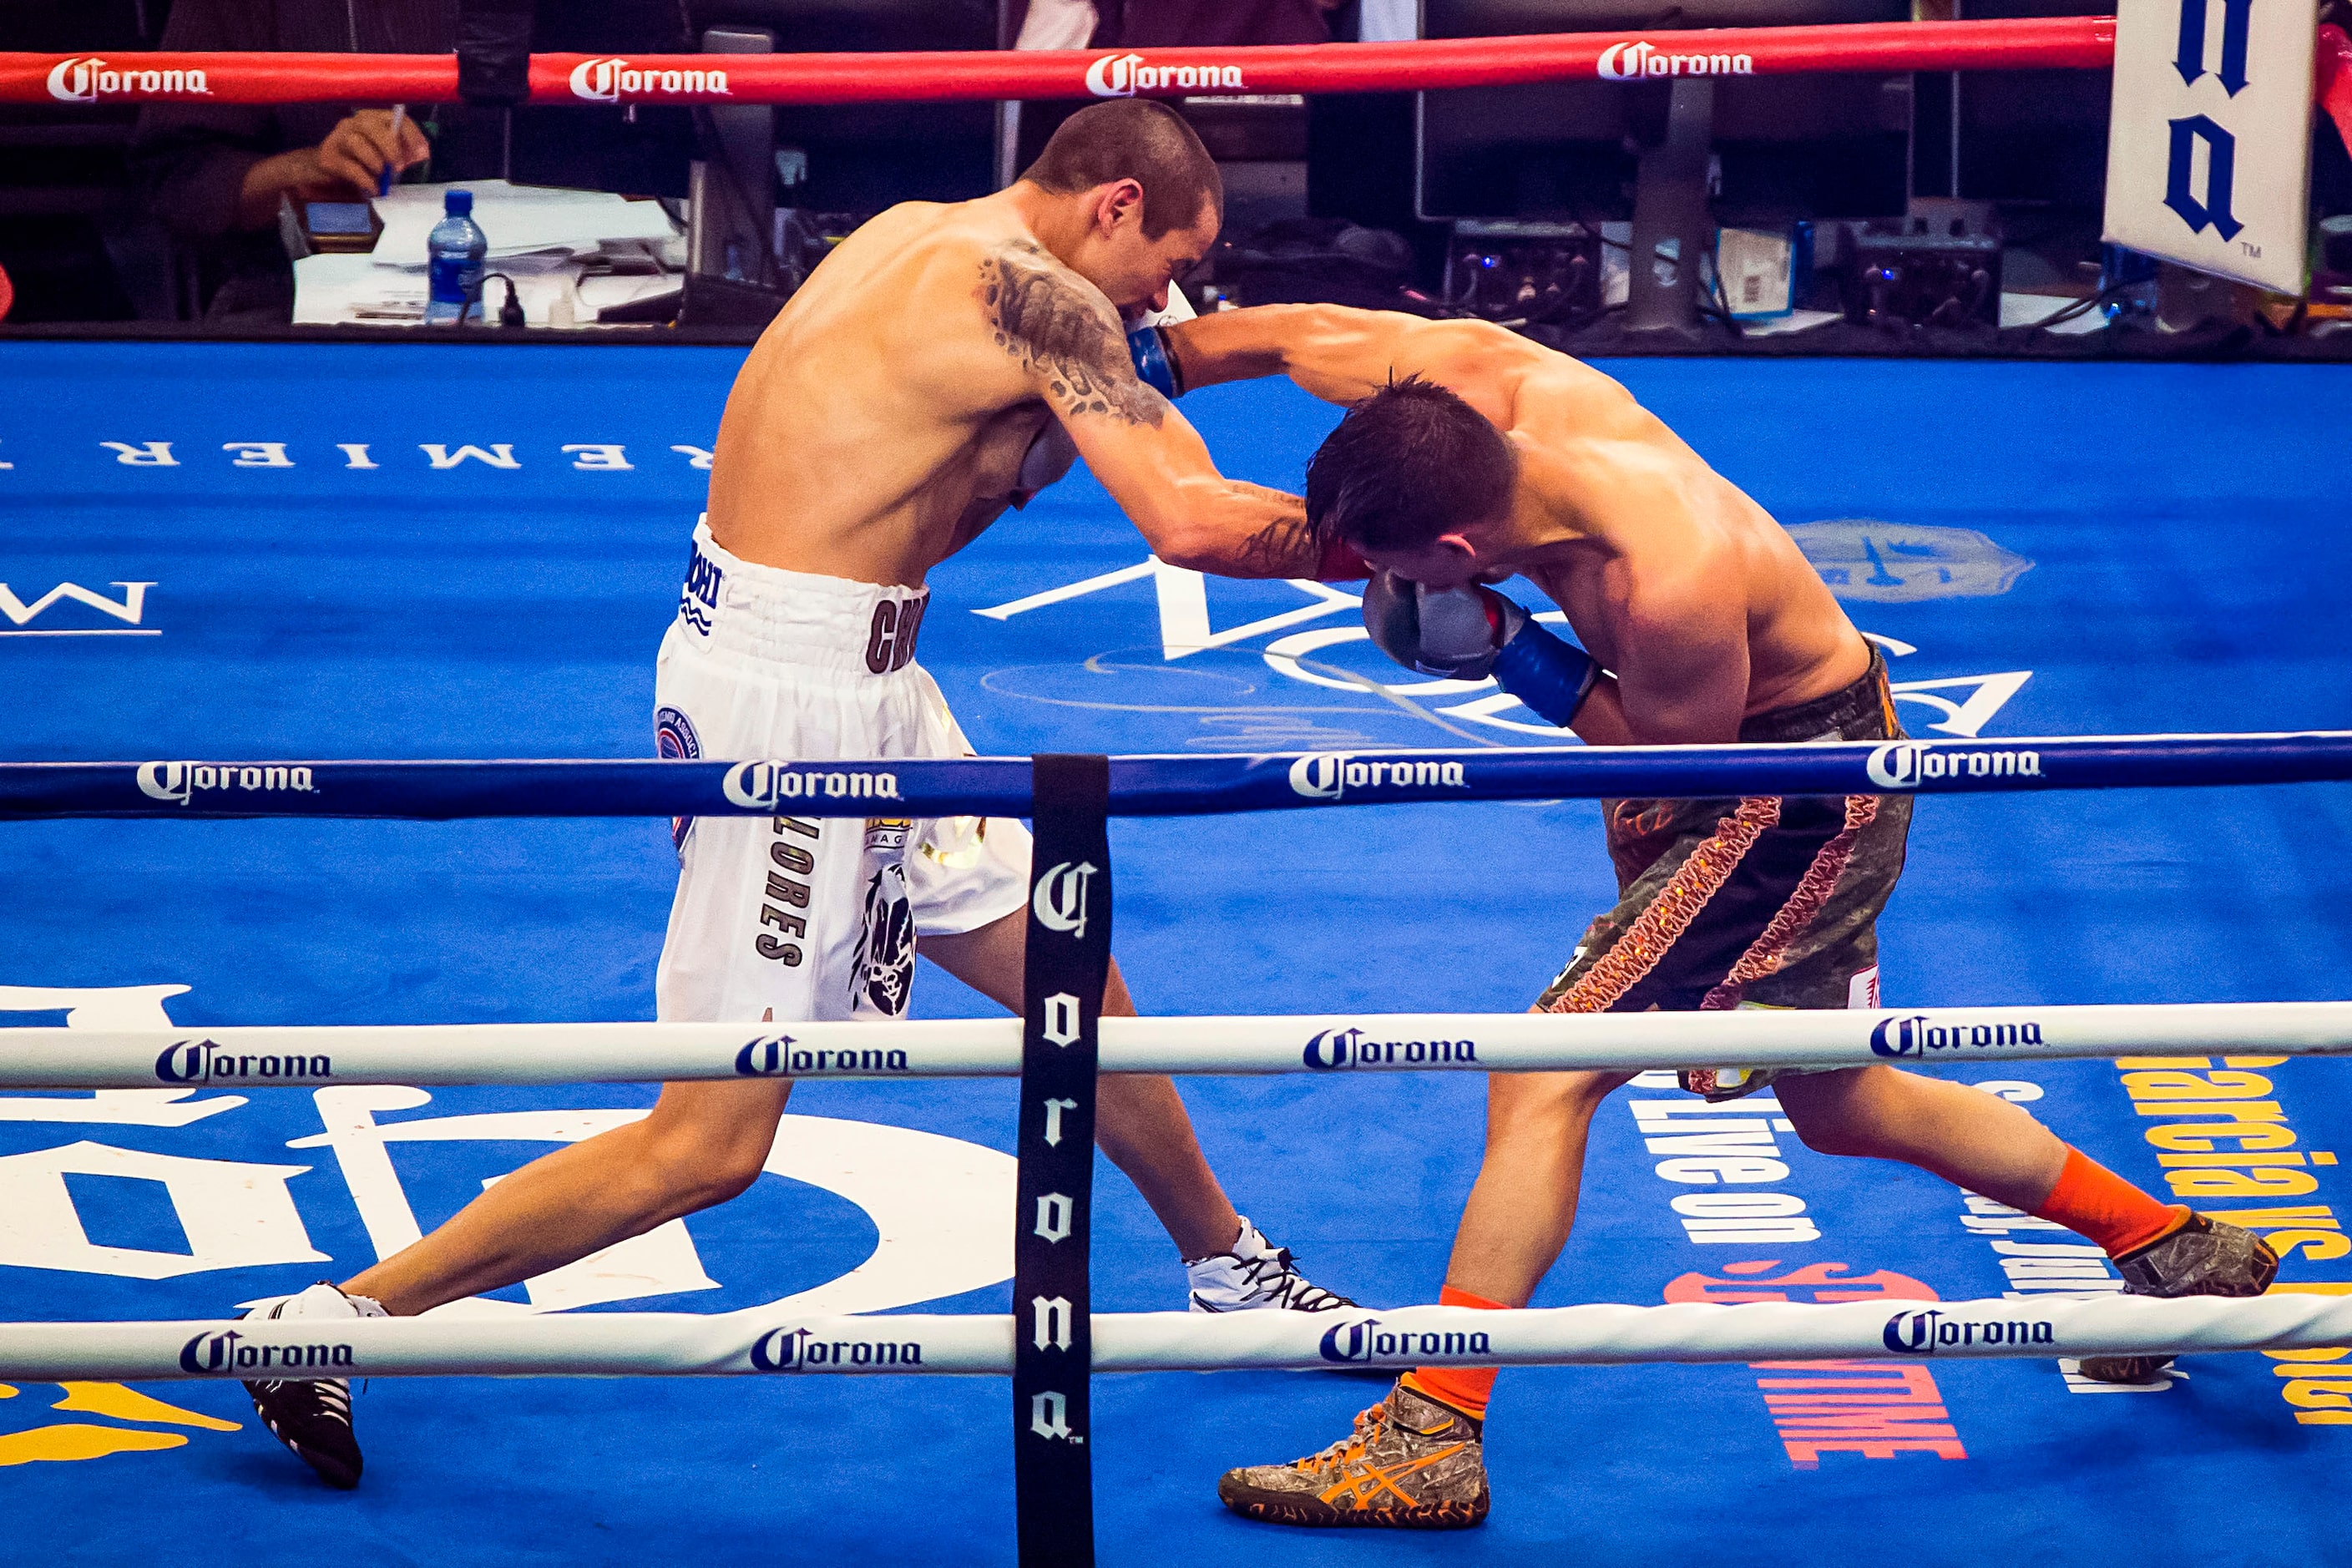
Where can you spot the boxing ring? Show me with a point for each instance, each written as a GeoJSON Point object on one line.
{"type": "Point", "coordinates": [419, 642]}
{"type": "Point", "coordinates": [361, 612]}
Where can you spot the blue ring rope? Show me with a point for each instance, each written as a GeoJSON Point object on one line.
{"type": "Point", "coordinates": [1156, 785]}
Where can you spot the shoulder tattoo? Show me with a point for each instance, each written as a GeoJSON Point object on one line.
{"type": "Point", "coordinates": [1045, 317]}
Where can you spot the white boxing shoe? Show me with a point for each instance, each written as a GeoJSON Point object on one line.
{"type": "Point", "coordinates": [1255, 1276]}
{"type": "Point", "coordinates": [313, 1417]}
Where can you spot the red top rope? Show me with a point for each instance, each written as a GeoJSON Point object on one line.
{"type": "Point", "coordinates": [2333, 85]}
{"type": "Point", "coordinates": [2087, 43]}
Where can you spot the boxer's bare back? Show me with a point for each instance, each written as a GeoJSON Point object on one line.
{"type": "Point", "coordinates": [879, 423]}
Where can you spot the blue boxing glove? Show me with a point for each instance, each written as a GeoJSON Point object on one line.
{"type": "Point", "coordinates": [1549, 673]}
{"type": "Point", "coordinates": [1154, 365]}
{"type": "Point", "coordinates": [1471, 632]}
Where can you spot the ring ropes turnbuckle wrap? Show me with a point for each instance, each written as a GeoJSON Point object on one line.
{"type": "Point", "coordinates": [2084, 43]}
{"type": "Point", "coordinates": [1066, 966]}
{"type": "Point", "coordinates": [1161, 786]}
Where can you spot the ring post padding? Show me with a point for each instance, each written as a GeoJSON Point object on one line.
{"type": "Point", "coordinates": [1066, 965]}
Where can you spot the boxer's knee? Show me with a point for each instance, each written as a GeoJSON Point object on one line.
{"type": "Point", "coordinates": [688, 1178]}
{"type": "Point", "coordinates": [1840, 1112]}
{"type": "Point", "coordinates": [706, 1143]}
{"type": "Point", "coordinates": [1545, 1106]}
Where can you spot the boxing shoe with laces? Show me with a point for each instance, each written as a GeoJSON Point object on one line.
{"type": "Point", "coordinates": [2201, 1257]}
{"type": "Point", "coordinates": [1255, 1275]}
{"type": "Point", "coordinates": [313, 1417]}
{"type": "Point", "coordinates": [1411, 1463]}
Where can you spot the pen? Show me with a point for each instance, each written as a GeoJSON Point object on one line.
{"type": "Point", "coordinates": [384, 175]}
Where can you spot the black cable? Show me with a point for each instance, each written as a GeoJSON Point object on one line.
{"type": "Point", "coordinates": [510, 313]}
{"type": "Point", "coordinates": [2084, 307]}
{"type": "Point", "coordinates": [1723, 301]}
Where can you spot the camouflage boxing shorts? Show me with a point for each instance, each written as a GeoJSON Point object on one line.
{"type": "Point", "coordinates": [1769, 901]}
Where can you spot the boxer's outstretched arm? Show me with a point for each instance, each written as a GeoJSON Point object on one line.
{"type": "Point", "coordinates": [1153, 463]}
{"type": "Point", "coordinates": [1338, 353]}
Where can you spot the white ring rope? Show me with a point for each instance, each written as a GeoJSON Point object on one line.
{"type": "Point", "coordinates": [982, 1047]}
{"type": "Point", "coordinates": [760, 1341]}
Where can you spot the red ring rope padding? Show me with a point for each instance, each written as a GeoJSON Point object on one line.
{"type": "Point", "coordinates": [2085, 43]}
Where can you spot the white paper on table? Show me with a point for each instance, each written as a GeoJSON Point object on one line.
{"type": "Point", "coordinates": [328, 289]}
{"type": "Point", "coordinates": [2026, 309]}
{"type": "Point", "coordinates": [333, 289]}
{"type": "Point", "coordinates": [599, 294]}
{"type": "Point", "coordinates": [1794, 321]}
{"type": "Point", "coordinates": [516, 219]}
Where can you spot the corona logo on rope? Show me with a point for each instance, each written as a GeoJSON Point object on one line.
{"type": "Point", "coordinates": [79, 78]}
{"type": "Point", "coordinates": [201, 1061]}
{"type": "Point", "coordinates": [1906, 764]}
{"type": "Point", "coordinates": [227, 1352]}
{"type": "Point", "coordinates": [798, 1350]}
{"type": "Point", "coordinates": [773, 1057]}
{"type": "Point", "coordinates": [760, 786]}
{"type": "Point", "coordinates": [763, 1057]}
{"type": "Point", "coordinates": [181, 781]}
{"type": "Point", "coordinates": [1124, 76]}
{"type": "Point", "coordinates": [1363, 1340]}
{"type": "Point", "coordinates": [1931, 1332]}
{"type": "Point", "coordinates": [1330, 1048]}
{"type": "Point", "coordinates": [1328, 776]}
{"type": "Point", "coordinates": [1915, 1037]}
{"type": "Point", "coordinates": [611, 81]}
{"type": "Point", "coordinates": [1637, 59]}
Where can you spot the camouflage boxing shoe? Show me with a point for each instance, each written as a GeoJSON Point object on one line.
{"type": "Point", "coordinates": [1411, 1463]}
{"type": "Point", "coordinates": [2204, 1258]}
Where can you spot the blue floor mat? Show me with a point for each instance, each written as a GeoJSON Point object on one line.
{"type": "Point", "coordinates": [317, 551]}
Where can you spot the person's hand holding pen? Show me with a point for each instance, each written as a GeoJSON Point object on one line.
{"type": "Point", "coordinates": [383, 177]}
{"type": "Point", "coordinates": [369, 146]}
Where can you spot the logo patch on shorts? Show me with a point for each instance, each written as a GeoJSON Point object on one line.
{"type": "Point", "coordinates": [697, 597]}
{"type": "Point", "coordinates": [674, 740]}
{"type": "Point", "coordinates": [883, 976]}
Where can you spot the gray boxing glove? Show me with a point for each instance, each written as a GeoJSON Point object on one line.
{"type": "Point", "coordinates": [1452, 631]}
{"type": "Point", "coordinates": [1050, 456]}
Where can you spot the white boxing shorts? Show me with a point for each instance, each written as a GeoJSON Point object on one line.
{"type": "Point", "coordinates": [811, 918]}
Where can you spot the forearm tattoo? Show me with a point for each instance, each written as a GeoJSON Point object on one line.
{"type": "Point", "coordinates": [1055, 323]}
{"type": "Point", "coordinates": [1287, 547]}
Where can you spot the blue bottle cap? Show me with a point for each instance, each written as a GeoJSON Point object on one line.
{"type": "Point", "coordinates": [458, 204]}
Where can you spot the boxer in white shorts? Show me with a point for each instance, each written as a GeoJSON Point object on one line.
{"type": "Point", "coordinates": [812, 917]}
{"type": "Point", "coordinates": [938, 367]}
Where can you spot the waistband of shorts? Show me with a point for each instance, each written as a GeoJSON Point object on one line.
{"type": "Point", "coordinates": [732, 606]}
{"type": "Point", "coordinates": [1864, 711]}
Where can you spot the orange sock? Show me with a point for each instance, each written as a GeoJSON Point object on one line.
{"type": "Point", "coordinates": [1466, 1388]}
{"type": "Point", "coordinates": [2094, 1201]}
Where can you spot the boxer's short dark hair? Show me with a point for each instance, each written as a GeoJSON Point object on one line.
{"type": "Point", "coordinates": [1134, 139]}
{"type": "Point", "coordinates": [1408, 464]}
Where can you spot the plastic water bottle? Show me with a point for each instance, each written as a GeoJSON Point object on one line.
{"type": "Point", "coordinates": [454, 250]}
